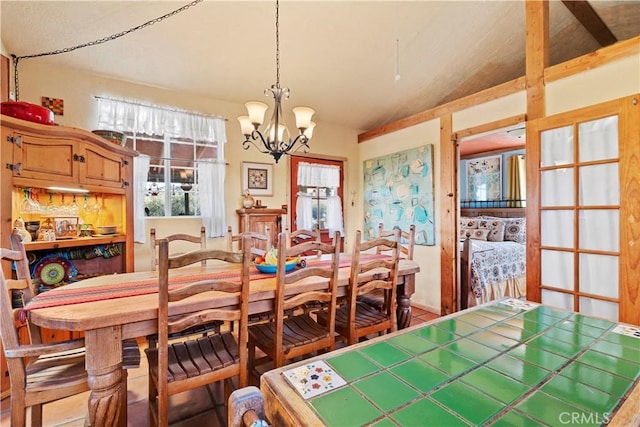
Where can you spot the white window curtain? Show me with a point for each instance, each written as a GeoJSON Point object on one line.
{"type": "Point", "coordinates": [127, 116]}
{"type": "Point", "coordinates": [317, 175]}
{"type": "Point", "coordinates": [140, 174]}
{"type": "Point", "coordinates": [304, 209]}
{"type": "Point", "coordinates": [212, 208]}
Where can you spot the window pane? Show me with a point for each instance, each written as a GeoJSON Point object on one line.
{"type": "Point", "coordinates": [598, 139]}
{"type": "Point", "coordinates": [557, 187]}
{"type": "Point", "coordinates": [556, 147]}
{"type": "Point", "coordinates": [557, 269]}
{"type": "Point", "coordinates": [599, 275]}
{"type": "Point", "coordinates": [599, 185]}
{"type": "Point", "coordinates": [557, 299]}
{"type": "Point", "coordinates": [593, 307]}
{"type": "Point", "coordinates": [557, 228]}
{"type": "Point", "coordinates": [600, 229]}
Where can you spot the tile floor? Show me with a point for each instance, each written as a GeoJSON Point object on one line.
{"type": "Point", "coordinates": [72, 412]}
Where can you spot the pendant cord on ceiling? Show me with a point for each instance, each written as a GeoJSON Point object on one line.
{"type": "Point", "coordinates": [16, 58]}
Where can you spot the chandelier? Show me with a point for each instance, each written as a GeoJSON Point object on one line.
{"type": "Point", "coordinates": [276, 140]}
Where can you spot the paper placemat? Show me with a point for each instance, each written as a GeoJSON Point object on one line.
{"type": "Point", "coordinates": [313, 379]}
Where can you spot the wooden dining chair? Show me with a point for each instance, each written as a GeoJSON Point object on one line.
{"type": "Point", "coordinates": [39, 373]}
{"type": "Point", "coordinates": [180, 237]}
{"type": "Point", "coordinates": [301, 235]}
{"type": "Point", "coordinates": [189, 362]}
{"type": "Point", "coordinates": [357, 319]}
{"type": "Point", "coordinates": [294, 334]}
{"type": "Point", "coordinates": [234, 240]}
{"type": "Point", "coordinates": [407, 242]}
{"type": "Point", "coordinates": [23, 286]}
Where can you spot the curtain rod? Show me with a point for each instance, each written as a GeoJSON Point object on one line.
{"type": "Point", "coordinates": [170, 109]}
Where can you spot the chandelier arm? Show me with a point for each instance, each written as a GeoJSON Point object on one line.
{"type": "Point", "coordinates": [251, 139]}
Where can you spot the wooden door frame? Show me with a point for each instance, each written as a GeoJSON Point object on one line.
{"type": "Point", "coordinates": [453, 268]}
{"type": "Point", "coordinates": [293, 186]}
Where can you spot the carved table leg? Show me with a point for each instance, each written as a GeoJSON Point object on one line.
{"type": "Point", "coordinates": [403, 298]}
{"type": "Point", "coordinates": [104, 369]}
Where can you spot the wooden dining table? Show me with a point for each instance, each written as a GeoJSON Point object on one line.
{"type": "Point", "coordinates": [111, 308]}
{"type": "Point", "coordinates": [505, 363]}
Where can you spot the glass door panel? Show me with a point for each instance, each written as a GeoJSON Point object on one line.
{"type": "Point", "coordinates": [599, 229]}
{"type": "Point", "coordinates": [557, 269]}
{"type": "Point", "coordinates": [593, 133]}
{"type": "Point", "coordinates": [557, 228]}
{"type": "Point", "coordinates": [599, 275]}
{"type": "Point", "coordinates": [599, 185]}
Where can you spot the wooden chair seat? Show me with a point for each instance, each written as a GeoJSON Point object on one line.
{"type": "Point", "coordinates": [297, 331]}
{"type": "Point", "coordinates": [189, 359]}
{"type": "Point", "coordinates": [52, 371]}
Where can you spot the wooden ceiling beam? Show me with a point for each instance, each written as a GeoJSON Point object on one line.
{"type": "Point", "coordinates": [591, 21]}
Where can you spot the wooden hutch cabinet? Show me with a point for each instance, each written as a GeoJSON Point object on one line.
{"type": "Point", "coordinates": [87, 177]}
{"type": "Point", "coordinates": [257, 220]}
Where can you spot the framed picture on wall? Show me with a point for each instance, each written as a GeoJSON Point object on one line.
{"type": "Point", "coordinates": [484, 178]}
{"type": "Point", "coordinates": [257, 178]}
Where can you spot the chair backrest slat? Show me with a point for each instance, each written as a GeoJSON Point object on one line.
{"type": "Point", "coordinates": [407, 240]}
{"type": "Point", "coordinates": [234, 241]}
{"type": "Point", "coordinates": [178, 237]}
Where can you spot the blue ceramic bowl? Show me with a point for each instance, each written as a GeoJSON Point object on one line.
{"type": "Point", "coordinates": [272, 268]}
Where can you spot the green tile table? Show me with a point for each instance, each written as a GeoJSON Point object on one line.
{"type": "Point", "coordinates": [507, 363]}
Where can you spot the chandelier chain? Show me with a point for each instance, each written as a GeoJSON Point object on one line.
{"type": "Point", "coordinates": [102, 40]}
{"type": "Point", "coordinates": [277, 45]}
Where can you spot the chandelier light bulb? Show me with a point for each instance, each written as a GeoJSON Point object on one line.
{"type": "Point", "coordinates": [308, 132]}
{"type": "Point", "coordinates": [256, 112]}
{"type": "Point", "coordinates": [245, 125]}
{"type": "Point", "coordinates": [303, 117]}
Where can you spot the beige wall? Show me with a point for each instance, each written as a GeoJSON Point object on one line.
{"type": "Point", "coordinates": [428, 280]}
{"type": "Point", "coordinates": [78, 89]}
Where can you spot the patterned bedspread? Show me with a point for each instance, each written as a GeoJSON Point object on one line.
{"type": "Point", "coordinates": [494, 262]}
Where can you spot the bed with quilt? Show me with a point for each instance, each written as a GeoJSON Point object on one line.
{"type": "Point", "coordinates": [493, 254]}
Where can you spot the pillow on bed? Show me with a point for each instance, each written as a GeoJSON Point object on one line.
{"type": "Point", "coordinates": [496, 229]}
{"type": "Point", "coordinates": [468, 222]}
{"type": "Point", "coordinates": [515, 229]}
{"type": "Point", "coordinates": [474, 233]}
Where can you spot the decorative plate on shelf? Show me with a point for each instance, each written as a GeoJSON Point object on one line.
{"type": "Point", "coordinates": [54, 269]}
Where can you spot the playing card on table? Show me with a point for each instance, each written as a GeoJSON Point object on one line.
{"type": "Point", "coordinates": [313, 378]}
{"type": "Point", "coordinates": [631, 331]}
{"type": "Point", "coordinates": [519, 304]}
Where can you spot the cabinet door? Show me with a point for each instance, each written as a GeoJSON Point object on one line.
{"type": "Point", "coordinates": [47, 159]}
{"type": "Point", "coordinates": [100, 167]}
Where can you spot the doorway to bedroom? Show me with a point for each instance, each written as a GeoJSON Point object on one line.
{"type": "Point", "coordinates": [491, 194]}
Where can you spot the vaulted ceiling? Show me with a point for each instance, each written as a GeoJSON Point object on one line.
{"type": "Point", "coordinates": [360, 64]}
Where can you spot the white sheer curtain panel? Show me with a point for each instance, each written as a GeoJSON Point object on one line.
{"type": "Point", "coordinates": [304, 211]}
{"type": "Point", "coordinates": [334, 215]}
{"type": "Point", "coordinates": [211, 176]}
{"type": "Point", "coordinates": [140, 174]}
{"type": "Point", "coordinates": [127, 116]}
{"type": "Point", "coordinates": [317, 175]}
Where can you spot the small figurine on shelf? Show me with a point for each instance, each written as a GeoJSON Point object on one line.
{"type": "Point", "coordinates": [247, 200]}
{"type": "Point", "coordinates": [21, 230]}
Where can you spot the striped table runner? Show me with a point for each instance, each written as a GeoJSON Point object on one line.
{"type": "Point", "coordinates": [70, 295]}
